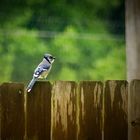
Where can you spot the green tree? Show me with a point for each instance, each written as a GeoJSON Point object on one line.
{"type": "Point", "coordinates": [81, 34]}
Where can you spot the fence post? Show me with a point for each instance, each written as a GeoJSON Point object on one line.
{"type": "Point", "coordinates": [134, 110]}
{"type": "Point", "coordinates": [63, 111]}
{"type": "Point", "coordinates": [38, 112]}
{"type": "Point", "coordinates": [115, 110]}
{"type": "Point", "coordinates": [12, 126]}
{"type": "Point", "coordinates": [90, 105]}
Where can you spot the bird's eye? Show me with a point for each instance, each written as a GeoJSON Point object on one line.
{"type": "Point", "coordinates": [50, 57]}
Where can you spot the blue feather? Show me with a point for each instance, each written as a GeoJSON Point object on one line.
{"type": "Point", "coordinates": [31, 84]}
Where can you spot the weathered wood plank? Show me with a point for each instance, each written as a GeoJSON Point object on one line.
{"type": "Point", "coordinates": [89, 117]}
{"type": "Point", "coordinates": [134, 110]}
{"type": "Point", "coordinates": [115, 110]}
{"type": "Point", "coordinates": [132, 30]}
{"type": "Point", "coordinates": [12, 111]}
{"type": "Point", "coordinates": [38, 108]}
{"type": "Point", "coordinates": [64, 111]}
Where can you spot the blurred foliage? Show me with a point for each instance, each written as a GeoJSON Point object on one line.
{"type": "Point", "coordinates": [86, 36]}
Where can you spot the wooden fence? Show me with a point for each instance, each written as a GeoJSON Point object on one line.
{"type": "Point", "coordinates": [64, 110]}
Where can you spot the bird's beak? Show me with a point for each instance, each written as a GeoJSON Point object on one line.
{"type": "Point", "coordinates": [53, 57]}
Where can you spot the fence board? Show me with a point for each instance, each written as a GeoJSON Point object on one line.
{"type": "Point", "coordinates": [115, 113]}
{"type": "Point", "coordinates": [12, 111]}
{"type": "Point", "coordinates": [70, 111]}
{"type": "Point", "coordinates": [64, 111]}
{"type": "Point", "coordinates": [90, 111]}
{"type": "Point", "coordinates": [38, 117]}
{"type": "Point", "coordinates": [134, 110]}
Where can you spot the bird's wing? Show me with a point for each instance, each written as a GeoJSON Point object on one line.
{"type": "Point", "coordinates": [39, 70]}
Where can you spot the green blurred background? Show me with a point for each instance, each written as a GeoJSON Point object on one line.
{"type": "Point", "coordinates": [87, 37]}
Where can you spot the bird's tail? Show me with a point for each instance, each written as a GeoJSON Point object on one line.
{"type": "Point", "coordinates": [30, 85]}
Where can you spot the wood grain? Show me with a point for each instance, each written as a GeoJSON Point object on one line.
{"type": "Point", "coordinates": [12, 111]}
{"type": "Point", "coordinates": [115, 110]}
{"type": "Point", "coordinates": [90, 105]}
{"type": "Point", "coordinates": [38, 112]}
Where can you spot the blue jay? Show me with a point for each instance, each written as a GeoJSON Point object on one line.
{"type": "Point", "coordinates": [42, 70]}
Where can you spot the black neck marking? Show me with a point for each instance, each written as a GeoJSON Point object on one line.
{"type": "Point", "coordinates": [47, 59]}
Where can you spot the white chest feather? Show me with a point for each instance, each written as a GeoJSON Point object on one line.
{"type": "Point", "coordinates": [45, 74]}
